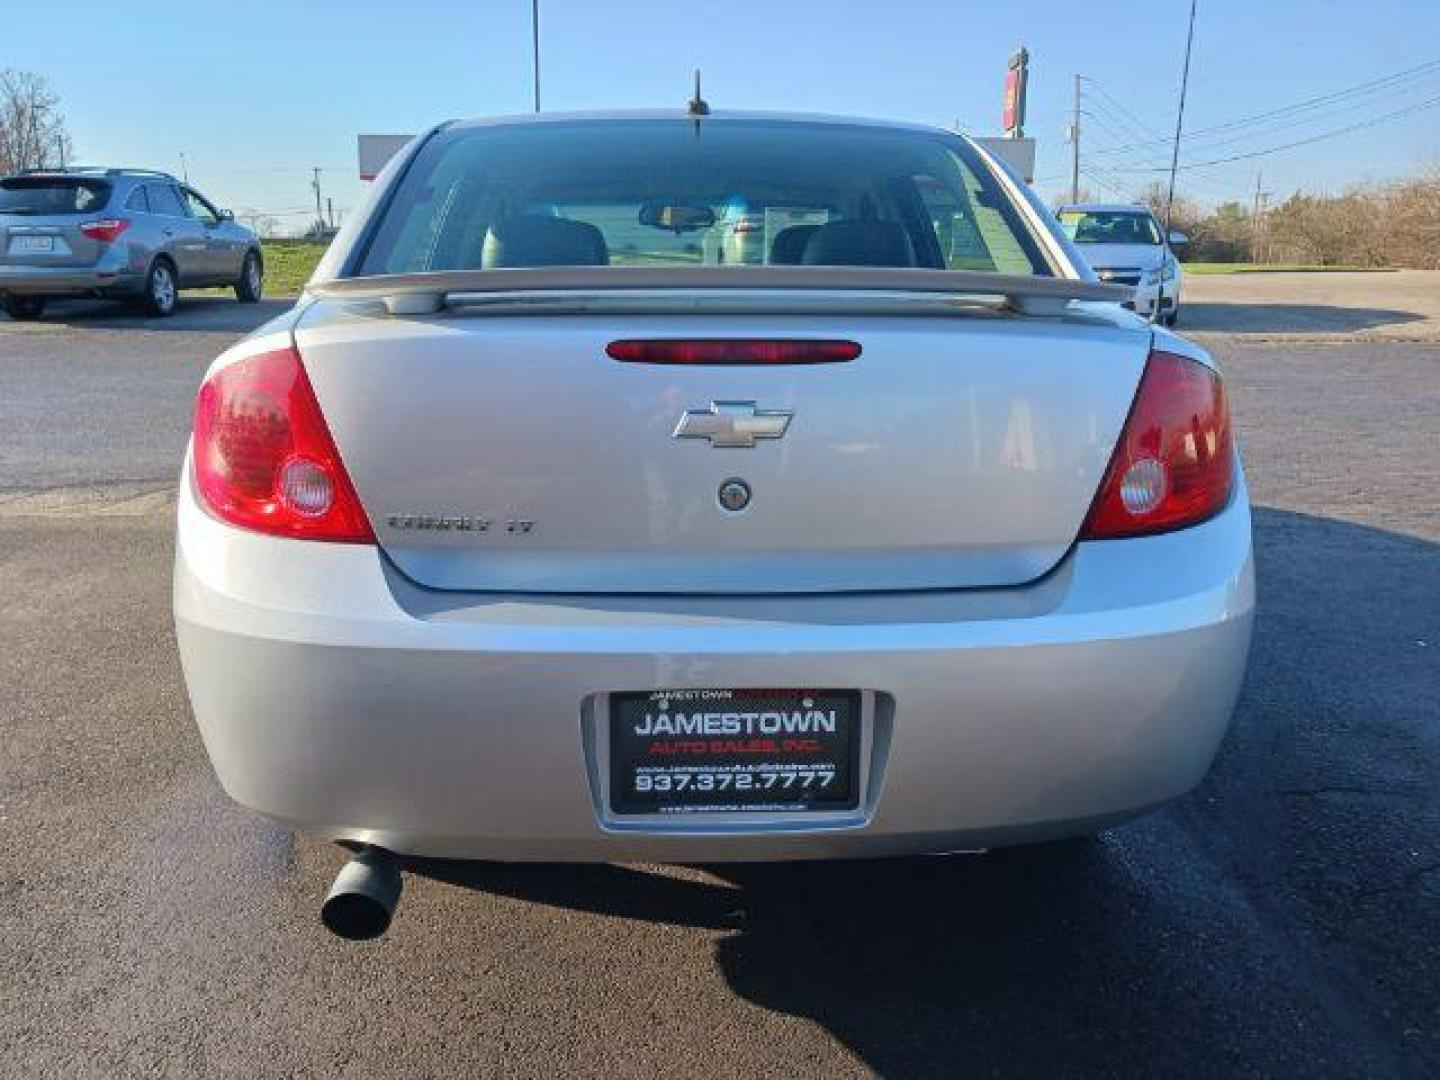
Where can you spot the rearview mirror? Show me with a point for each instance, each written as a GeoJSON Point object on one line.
{"type": "Point", "coordinates": [1178, 239]}
{"type": "Point", "coordinates": [677, 217]}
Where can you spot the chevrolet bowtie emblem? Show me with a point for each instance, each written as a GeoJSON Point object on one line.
{"type": "Point", "coordinates": [732, 424]}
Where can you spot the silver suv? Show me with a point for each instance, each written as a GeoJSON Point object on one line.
{"type": "Point", "coordinates": [130, 234]}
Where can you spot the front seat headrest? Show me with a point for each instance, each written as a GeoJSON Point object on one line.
{"type": "Point", "coordinates": [533, 240]}
{"type": "Point", "coordinates": [789, 244]}
{"type": "Point", "coordinates": [859, 243]}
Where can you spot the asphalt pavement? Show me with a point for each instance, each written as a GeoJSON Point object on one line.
{"type": "Point", "coordinates": [1281, 921]}
{"type": "Point", "coordinates": [1309, 306]}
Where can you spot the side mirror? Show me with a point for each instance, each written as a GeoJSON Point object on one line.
{"type": "Point", "coordinates": [1178, 239]}
{"type": "Point", "coordinates": [227, 215]}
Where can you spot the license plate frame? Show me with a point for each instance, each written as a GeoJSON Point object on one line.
{"type": "Point", "coordinates": [740, 734]}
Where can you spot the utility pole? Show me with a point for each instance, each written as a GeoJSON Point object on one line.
{"type": "Point", "coordinates": [330, 211]}
{"type": "Point", "coordinates": [1180, 119]}
{"type": "Point", "coordinates": [1155, 313]}
{"type": "Point", "coordinates": [319, 207]}
{"type": "Point", "coordinates": [184, 169]}
{"type": "Point", "coordinates": [1255, 221]}
{"type": "Point", "coordinates": [1075, 146]}
{"type": "Point", "coordinates": [535, 47]}
{"type": "Point", "coordinates": [1264, 253]}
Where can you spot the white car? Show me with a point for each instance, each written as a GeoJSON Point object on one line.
{"type": "Point", "coordinates": [1125, 245]}
{"type": "Point", "coordinates": [492, 549]}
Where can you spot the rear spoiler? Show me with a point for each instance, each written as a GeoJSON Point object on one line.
{"type": "Point", "coordinates": [729, 287]}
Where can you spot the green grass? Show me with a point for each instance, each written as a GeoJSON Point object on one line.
{"type": "Point", "coordinates": [1274, 268]}
{"type": "Point", "coordinates": [289, 264]}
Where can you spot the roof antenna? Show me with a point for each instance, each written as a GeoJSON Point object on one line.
{"type": "Point", "coordinates": [697, 106]}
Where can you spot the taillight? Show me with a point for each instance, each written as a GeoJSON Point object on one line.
{"type": "Point", "coordinates": [1173, 464]}
{"type": "Point", "coordinates": [264, 458]}
{"type": "Point", "coordinates": [732, 351]}
{"type": "Point", "coordinates": [105, 230]}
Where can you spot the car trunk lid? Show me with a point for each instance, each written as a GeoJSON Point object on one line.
{"type": "Point", "coordinates": [512, 453]}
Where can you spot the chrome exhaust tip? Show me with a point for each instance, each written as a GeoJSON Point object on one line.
{"type": "Point", "coordinates": [362, 901]}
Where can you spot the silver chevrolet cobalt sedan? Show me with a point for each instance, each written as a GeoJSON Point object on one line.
{"type": "Point", "coordinates": [535, 531]}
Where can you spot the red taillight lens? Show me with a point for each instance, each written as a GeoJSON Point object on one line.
{"type": "Point", "coordinates": [732, 351]}
{"type": "Point", "coordinates": [1173, 464]}
{"type": "Point", "coordinates": [105, 231]}
{"type": "Point", "coordinates": [264, 458]}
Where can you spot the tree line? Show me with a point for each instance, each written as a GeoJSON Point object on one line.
{"type": "Point", "coordinates": [1373, 225]}
{"type": "Point", "coordinates": [32, 127]}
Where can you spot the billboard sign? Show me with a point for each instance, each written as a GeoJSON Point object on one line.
{"type": "Point", "coordinates": [376, 150]}
{"type": "Point", "coordinates": [1019, 154]}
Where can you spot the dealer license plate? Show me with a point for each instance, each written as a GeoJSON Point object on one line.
{"type": "Point", "coordinates": [713, 751]}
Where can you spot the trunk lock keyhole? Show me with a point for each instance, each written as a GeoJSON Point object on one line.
{"type": "Point", "coordinates": [734, 494]}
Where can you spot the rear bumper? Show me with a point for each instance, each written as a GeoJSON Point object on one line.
{"type": "Point", "coordinates": [102, 279]}
{"type": "Point", "coordinates": [336, 697]}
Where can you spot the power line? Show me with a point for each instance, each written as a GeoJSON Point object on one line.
{"type": "Point", "coordinates": [1419, 70]}
{"type": "Point", "coordinates": [1113, 116]}
{"type": "Point", "coordinates": [1125, 119]}
{"type": "Point", "coordinates": [259, 169]}
{"type": "Point", "coordinates": [308, 211]}
{"type": "Point", "coordinates": [1385, 82]}
{"type": "Point", "coordinates": [1229, 140]}
{"type": "Point", "coordinates": [1107, 185]}
{"type": "Point", "coordinates": [1109, 128]}
{"type": "Point", "coordinates": [1230, 176]}
{"type": "Point", "coordinates": [1418, 107]}
{"type": "Point", "coordinates": [1119, 124]}
{"type": "Point", "coordinates": [1143, 126]}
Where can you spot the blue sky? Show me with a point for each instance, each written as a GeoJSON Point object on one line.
{"type": "Point", "coordinates": [256, 93]}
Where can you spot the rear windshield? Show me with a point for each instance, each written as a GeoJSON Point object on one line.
{"type": "Point", "coordinates": [674, 193]}
{"type": "Point", "coordinates": [51, 195]}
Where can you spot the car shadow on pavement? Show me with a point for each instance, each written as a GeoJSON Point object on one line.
{"type": "Point", "coordinates": [1231, 318]}
{"type": "Point", "coordinates": [1278, 921]}
{"type": "Point", "coordinates": [192, 313]}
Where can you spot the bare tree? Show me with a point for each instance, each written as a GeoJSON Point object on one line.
{"type": "Point", "coordinates": [1412, 212]}
{"type": "Point", "coordinates": [1374, 225]}
{"type": "Point", "coordinates": [32, 127]}
{"type": "Point", "coordinates": [266, 225]}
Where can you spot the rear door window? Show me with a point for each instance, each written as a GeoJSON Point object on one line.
{"type": "Point", "coordinates": [48, 195]}
{"type": "Point", "coordinates": [164, 199]}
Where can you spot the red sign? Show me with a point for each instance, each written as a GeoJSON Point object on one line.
{"type": "Point", "coordinates": [1013, 118]}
